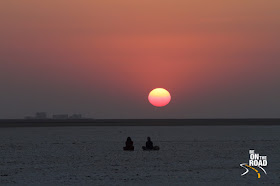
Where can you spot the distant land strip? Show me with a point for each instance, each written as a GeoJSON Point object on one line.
{"type": "Point", "coordinates": [134, 122]}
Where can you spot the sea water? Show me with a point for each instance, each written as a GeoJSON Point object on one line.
{"type": "Point", "coordinates": [94, 155]}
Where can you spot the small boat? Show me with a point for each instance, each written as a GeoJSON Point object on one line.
{"type": "Point", "coordinates": [155, 148]}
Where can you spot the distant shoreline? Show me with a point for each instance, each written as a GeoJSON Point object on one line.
{"type": "Point", "coordinates": [134, 122]}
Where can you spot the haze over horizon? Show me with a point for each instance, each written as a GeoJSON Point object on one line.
{"type": "Point", "coordinates": [218, 59]}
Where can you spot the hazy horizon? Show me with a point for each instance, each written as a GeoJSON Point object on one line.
{"type": "Point", "coordinates": [218, 59]}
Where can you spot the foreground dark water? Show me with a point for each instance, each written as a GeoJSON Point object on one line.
{"type": "Point", "coordinates": [189, 155]}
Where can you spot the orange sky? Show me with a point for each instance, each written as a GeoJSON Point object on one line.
{"type": "Point", "coordinates": [106, 55]}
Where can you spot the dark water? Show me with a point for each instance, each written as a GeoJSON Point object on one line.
{"type": "Point", "coordinates": [93, 155]}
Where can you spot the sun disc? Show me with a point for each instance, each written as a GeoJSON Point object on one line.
{"type": "Point", "coordinates": [159, 97]}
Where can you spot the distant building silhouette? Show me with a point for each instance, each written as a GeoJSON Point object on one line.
{"type": "Point", "coordinates": [75, 116]}
{"type": "Point", "coordinates": [60, 116]}
{"type": "Point", "coordinates": [41, 115]}
{"type": "Point", "coordinates": [38, 115]}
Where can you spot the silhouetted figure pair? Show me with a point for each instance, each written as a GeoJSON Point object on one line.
{"type": "Point", "coordinates": [149, 145]}
{"type": "Point", "coordinates": [128, 144]}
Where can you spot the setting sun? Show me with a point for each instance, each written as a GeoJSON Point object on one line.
{"type": "Point", "coordinates": [159, 97]}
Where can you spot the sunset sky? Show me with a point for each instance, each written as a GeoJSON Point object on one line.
{"type": "Point", "coordinates": [101, 58]}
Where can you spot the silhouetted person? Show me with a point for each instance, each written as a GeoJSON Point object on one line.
{"type": "Point", "coordinates": [149, 143]}
{"type": "Point", "coordinates": [128, 144]}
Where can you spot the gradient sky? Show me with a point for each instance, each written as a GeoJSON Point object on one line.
{"type": "Point", "coordinates": [101, 58]}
